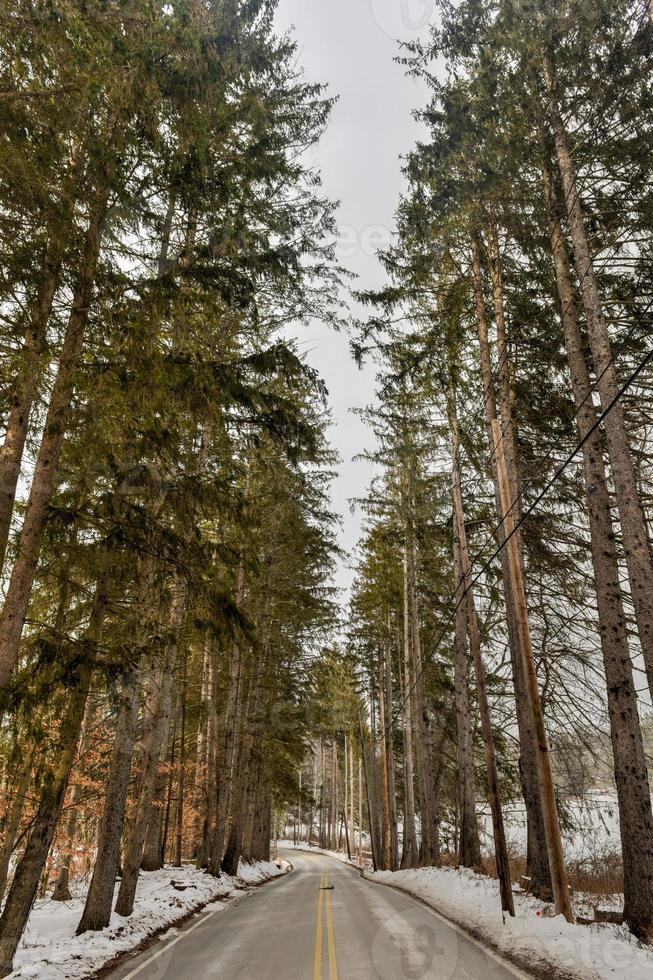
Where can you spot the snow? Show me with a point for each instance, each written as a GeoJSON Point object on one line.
{"type": "Point", "coordinates": [50, 950]}
{"type": "Point", "coordinates": [535, 935]}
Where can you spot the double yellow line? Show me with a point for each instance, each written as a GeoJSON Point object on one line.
{"type": "Point", "coordinates": [324, 901]}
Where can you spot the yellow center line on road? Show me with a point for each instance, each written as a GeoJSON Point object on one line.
{"type": "Point", "coordinates": [317, 960]}
{"type": "Point", "coordinates": [333, 966]}
{"type": "Point", "coordinates": [325, 903]}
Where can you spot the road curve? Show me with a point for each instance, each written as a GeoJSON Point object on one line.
{"type": "Point", "coordinates": [321, 922]}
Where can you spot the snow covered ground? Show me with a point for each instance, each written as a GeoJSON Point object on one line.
{"type": "Point", "coordinates": [50, 950]}
{"type": "Point", "coordinates": [535, 936]}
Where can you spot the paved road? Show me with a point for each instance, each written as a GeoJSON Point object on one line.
{"type": "Point", "coordinates": [321, 922]}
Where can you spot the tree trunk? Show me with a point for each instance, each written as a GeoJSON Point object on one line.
{"type": "Point", "coordinates": [263, 823]}
{"type": "Point", "coordinates": [151, 859]}
{"type": "Point", "coordinates": [631, 776]}
{"type": "Point", "coordinates": [99, 900]}
{"type": "Point", "coordinates": [156, 737]}
{"type": "Point", "coordinates": [375, 863]}
{"type": "Point", "coordinates": [181, 773]}
{"type": "Point", "coordinates": [635, 533]}
{"type": "Point", "coordinates": [409, 845]}
{"type": "Point", "coordinates": [469, 848]}
{"type": "Point", "coordinates": [165, 830]}
{"type": "Point", "coordinates": [25, 389]}
{"type": "Point", "coordinates": [537, 857]}
{"type": "Point", "coordinates": [559, 882]}
{"type": "Point", "coordinates": [346, 808]}
{"type": "Point", "coordinates": [61, 891]}
{"type": "Point", "coordinates": [13, 823]}
{"type": "Point", "coordinates": [14, 611]}
{"type": "Point", "coordinates": [386, 853]}
{"type": "Point", "coordinates": [320, 836]}
{"type": "Point", "coordinates": [227, 773]}
{"type": "Point", "coordinates": [351, 797]}
{"type": "Point", "coordinates": [204, 747]}
{"type": "Point", "coordinates": [30, 868]}
{"type": "Point", "coordinates": [390, 754]}
{"type": "Point", "coordinates": [430, 842]}
{"type": "Point", "coordinates": [249, 713]}
{"type": "Point", "coordinates": [498, 829]}
{"type": "Point", "coordinates": [209, 774]}
{"type": "Point", "coordinates": [360, 809]}
{"type": "Point", "coordinates": [253, 789]}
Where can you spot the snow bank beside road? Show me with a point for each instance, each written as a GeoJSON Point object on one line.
{"type": "Point", "coordinates": [50, 950]}
{"type": "Point", "coordinates": [534, 936]}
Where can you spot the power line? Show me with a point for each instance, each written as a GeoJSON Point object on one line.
{"type": "Point", "coordinates": [443, 632]}
{"type": "Point", "coordinates": [526, 486]}
{"type": "Point", "coordinates": [559, 471]}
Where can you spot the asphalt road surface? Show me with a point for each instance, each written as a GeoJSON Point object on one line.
{"type": "Point", "coordinates": [321, 922]}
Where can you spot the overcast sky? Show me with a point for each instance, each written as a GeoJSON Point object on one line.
{"type": "Point", "coordinates": [351, 44]}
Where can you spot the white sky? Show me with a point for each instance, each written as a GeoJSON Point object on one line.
{"type": "Point", "coordinates": [350, 44]}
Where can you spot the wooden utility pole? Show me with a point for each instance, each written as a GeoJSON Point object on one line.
{"type": "Point", "coordinates": [360, 810]}
{"type": "Point", "coordinates": [181, 771]}
{"type": "Point", "coordinates": [498, 829]}
{"type": "Point", "coordinates": [345, 824]}
{"type": "Point", "coordinates": [299, 807]}
{"type": "Point", "coordinates": [559, 881]}
{"type": "Point", "coordinates": [351, 789]}
{"type": "Point", "coordinates": [387, 839]}
{"type": "Point", "coordinates": [346, 796]}
{"type": "Point", "coordinates": [334, 802]}
{"type": "Point", "coordinates": [375, 864]}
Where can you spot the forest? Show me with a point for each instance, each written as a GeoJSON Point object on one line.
{"type": "Point", "coordinates": [180, 682]}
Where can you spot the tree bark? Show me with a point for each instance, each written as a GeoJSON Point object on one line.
{"type": "Point", "coordinates": [25, 388]}
{"type": "Point", "coordinates": [99, 900]}
{"type": "Point", "coordinates": [635, 533]}
{"type": "Point", "coordinates": [157, 736]}
{"type": "Point", "coordinates": [630, 769]}
{"type": "Point", "coordinates": [209, 764]}
{"type": "Point", "coordinates": [263, 823]}
{"type": "Point", "coordinates": [249, 713]}
{"type": "Point", "coordinates": [61, 891]}
{"type": "Point", "coordinates": [346, 802]}
{"type": "Point", "coordinates": [386, 853]}
{"type": "Point", "coordinates": [30, 868]}
{"type": "Point", "coordinates": [151, 859]}
{"type": "Point", "coordinates": [390, 754]}
{"type": "Point", "coordinates": [226, 783]}
{"type": "Point", "coordinates": [14, 611]}
{"type": "Point", "coordinates": [165, 829]}
{"type": "Point", "coordinates": [13, 823]}
{"type": "Point", "coordinates": [537, 857]}
{"type": "Point", "coordinates": [466, 584]}
{"type": "Point", "coordinates": [334, 797]}
{"type": "Point", "coordinates": [375, 863]}
{"type": "Point", "coordinates": [469, 848]}
{"type": "Point", "coordinates": [181, 773]}
{"type": "Point", "coordinates": [253, 790]}
{"type": "Point", "coordinates": [559, 882]}
{"type": "Point", "coordinates": [409, 855]}
{"type": "Point", "coordinates": [430, 835]}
